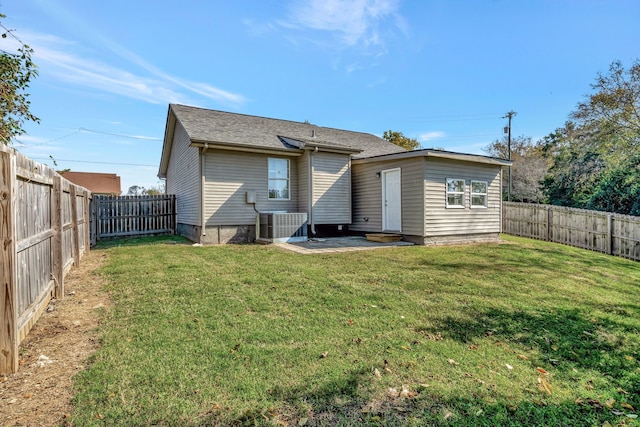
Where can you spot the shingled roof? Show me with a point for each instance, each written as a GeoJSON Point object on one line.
{"type": "Point", "coordinates": [220, 127]}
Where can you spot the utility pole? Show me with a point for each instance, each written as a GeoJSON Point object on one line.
{"type": "Point", "coordinates": [507, 130]}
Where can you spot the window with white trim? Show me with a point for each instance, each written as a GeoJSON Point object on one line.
{"type": "Point", "coordinates": [455, 193]}
{"type": "Point", "coordinates": [278, 179]}
{"type": "Point", "coordinates": [479, 196]}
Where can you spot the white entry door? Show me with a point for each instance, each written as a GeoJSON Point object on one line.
{"type": "Point", "coordinates": [391, 200]}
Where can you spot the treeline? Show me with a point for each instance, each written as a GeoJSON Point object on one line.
{"type": "Point", "coordinates": [593, 161]}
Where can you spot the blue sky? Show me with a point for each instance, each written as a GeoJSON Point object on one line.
{"type": "Point", "coordinates": [444, 72]}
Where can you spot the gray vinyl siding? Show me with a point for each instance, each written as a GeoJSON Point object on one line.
{"type": "Point", "coordinates": [183, 177]}
{"type": "Point", "coordinates": [367, 195]}
{"type": "Point", "coordinates": [331, 188]}
{"type": "Point", "coordinates": [443, 221]}
{"type": "Point", "coordinates": [303, 182]}
{"type": "Point", "coordinates": [228, 177]}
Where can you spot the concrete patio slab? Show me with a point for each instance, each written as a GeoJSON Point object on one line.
{"type": "Point", "coordinates": [337, 244]}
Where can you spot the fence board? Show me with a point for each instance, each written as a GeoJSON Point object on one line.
{"type": "Point", "coordinates": [610, 233]}
{"type": "Point", "coordinates": [38, 241]}
{"type": "Point", "coordinates": [8, 274]}
{"type": "Point", "coordinates": [122, 216]}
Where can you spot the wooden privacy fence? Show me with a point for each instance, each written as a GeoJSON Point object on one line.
{"type": "Point", "coordinates": [120, 216]}
{"type": "Point", "coordinates": [613, 234]}
{"type": "Point", "coordinates": [44, 230]}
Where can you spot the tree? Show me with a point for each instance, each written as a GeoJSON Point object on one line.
{"type": "Point", "coordinates": [399, 139]}
{"type": "Point", "coordinates": [615, 107]}
{"type": "Point", "coordinates": [16, 71]}
{"type": "Point", "coordinates": [158, 189]}
{"type": "Point", "coordinates": [595, 157]}
{"type": "Point", "coordinates": [136, 190]}
{"type": "Point", "coordinates": [576, 165]}
{"type": "Point", "coordinates": [527, 171]}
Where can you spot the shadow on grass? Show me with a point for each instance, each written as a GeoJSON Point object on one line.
{"type": "Point", "coordinates": [433, 411]}
{"type": "Point", "coordinates": [332, 401]}
{"type": "Point", "coordinates": [141, 241]}
{"type": "Point", "coordinates": [564, 338]}
{"type": "Point", "coordinates": [338, 404]}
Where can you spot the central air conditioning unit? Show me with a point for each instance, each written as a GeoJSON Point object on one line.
{"type": "Point", "coordinates": [280, 227]}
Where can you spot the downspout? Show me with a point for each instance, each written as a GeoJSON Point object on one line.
{"type": "Point", "coordinates": [203, 225]}
{"type": "Point", "coordinates": [311, 223]}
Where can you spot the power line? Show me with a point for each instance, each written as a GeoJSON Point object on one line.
{"type": "Point", "coordinates": [144, 138]}
{"type": "Point", "coordinates": [446, 119]}
{"type": "Point", "coordinates": [49, 141]}
{"type": "Point", "coordinates": [87, 161]}
{"type": "Point", "coordinates": [81, 129]}
{"type": "Point", "coordinates": [10, 32]}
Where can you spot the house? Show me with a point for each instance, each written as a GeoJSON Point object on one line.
{"type": "Point", "coordinates": [97, 183]}
{"type": "Point", "coordinates": [239, 177]}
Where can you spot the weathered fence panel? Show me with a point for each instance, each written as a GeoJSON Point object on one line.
{"type": "Point", "coordinates": [614, 234]}
{"type": "Point", "coordinates": [40, 226]}
{"type": "Point", "coordinates": [121, 216]}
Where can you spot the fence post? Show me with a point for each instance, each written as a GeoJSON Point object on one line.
{"type": "Point", "coordinates": [87, 221]}
{"type": "Point", "coordinates": [8, 273]}
{"type": "Point", "coordinates": [93, 219]}
{"type": "Point", "coordinates": [174, 216]}
{"type": "Point", "coordinates": [549, 216]}
{"type": "Point", "coordinates": [609, 234]}
{"type": "Point", "coordinates": [56, 222]}
{"type": "Point", "coordinates": [75, 236]}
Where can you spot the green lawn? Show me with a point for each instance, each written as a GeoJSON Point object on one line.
{"type": "Point", "coordinates": [520, 333]}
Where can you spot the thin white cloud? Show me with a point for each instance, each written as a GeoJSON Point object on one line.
{"type": "Point", "coordinates": [427, 136]}
{"type": "Point", "coordinates": [62, 60]}
{"type": "Point", "coordinates": [354, 23]}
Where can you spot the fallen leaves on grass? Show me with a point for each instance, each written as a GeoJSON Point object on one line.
{"type": "Point", "coordinates": [452, 362]}
{"type": "Point", "coordinates": [433, 337]}
{"type": "Point", "coordinates": [407, 393]}
{"type": "Point", "coordinates": [545, 386]}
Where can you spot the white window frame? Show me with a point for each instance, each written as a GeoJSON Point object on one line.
{"type": "Point", "coordinates": [448, 193]}
{"type": "Point", "coordinates": [485, 194]}
{"type": "Point", "coordinates": [287, 180]}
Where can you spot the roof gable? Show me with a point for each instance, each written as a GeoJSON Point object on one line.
{"type": "Point", "coordinates": [242, 131]}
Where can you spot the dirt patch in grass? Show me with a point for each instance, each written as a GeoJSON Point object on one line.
{"type": "Point", "coordinates": [56, 349]}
